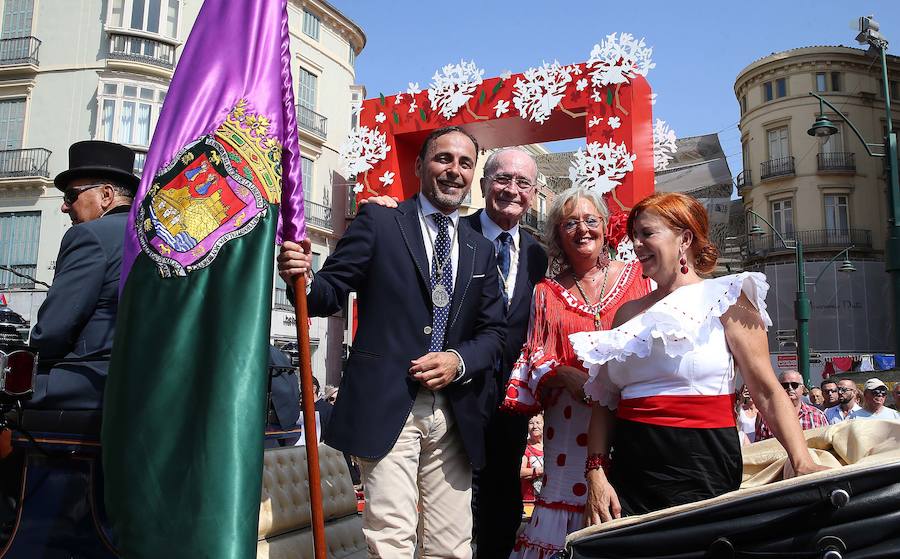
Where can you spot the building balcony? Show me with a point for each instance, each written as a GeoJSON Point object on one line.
{"type": "Point", "coordinates": [775, 168]}
{"type": "Point", "coordinates": [24, 163]}
{"type": "Point", "coordinates": [317, 215]}
{"type": "Point", "coordinates": [744, 179]}
{"type": "Point", "coordinates": [838, 161]}
{"type": "Point", "coordinates": [310, 121]}
{"type": "Point", "coordinates": [814, 239]}
{"type": "Point", "coordinates": [19, 51]}
{"type": "Point", "coordinates": [133, 48]}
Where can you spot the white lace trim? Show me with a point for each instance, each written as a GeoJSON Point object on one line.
{"type": "Point", "coordinates": [682, 320]}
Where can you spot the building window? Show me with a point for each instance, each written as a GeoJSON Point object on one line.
{"type": "Point", "coordinates": [835, 142]}
{"type": "Point", "coordinates": [542, 206]}
{"type": "Point", "coordinates": [306, 168]}
{"type": "Point", "coordinates": [19, 238]}
{"type": "Point", "coordinates": [835, 81]}
{"type": "Point", "coordinates": [17, 16]}
{"type": "Point", "coordinates": [837, 214]}
{"type": "Point", "coordinates": [783, 217]}
{"type": "Point", "coordinates": [743, 104]}
{"type": "Point", "coordinates": [767, 91]}
{"type": "Point", "coordinates": [311, 25]}
{"type": "Point", "coordinates": [821, 82]}
{"type": "Point", "coordinates": [307, 89]}
{"type": "Point", "coordinates": [153, 16]}
{"type": "Point", "coordinates": [12, 123]}
{"type": "Point", "coordinates": [128, 112]}
{"type": "Point", "coordinates": [781, 87]}
{"type": "Point", "coordinates": [778, 143]}
{"type": "Point", "coordinates": [352, 58]}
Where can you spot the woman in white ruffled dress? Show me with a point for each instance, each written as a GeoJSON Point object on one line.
{"type": "Point", "coordinates": [583, 296]}
{"type": "Point", "coordinates": [667, 370]}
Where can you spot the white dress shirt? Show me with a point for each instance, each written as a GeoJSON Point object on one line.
{"type": "Point", "coordinates": [491, 231]}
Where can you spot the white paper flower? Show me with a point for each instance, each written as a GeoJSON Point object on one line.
{"type": "Point", "coordinates": [616, 61]}
{"type": "Point", "coordinates": [506, 75]}
{"type": "Point", "coordinates": [653, 98]}
{"type": "Point", "coordinates": [379, 118]}
{"type": "Point", "coordinates": [595, 120]}
{"type": "Point", "coordinates": [357, 188]}
{"type": "Point", "coordinates": [596, 96]}
{"type": "Point", "coordinates": [601, 167]}
{"type": "Point", "coordinates": [398, 97]}
{"type": "Point", "coordinates": [413, 89]}
{"type": "Point", "coordinates": [501, 107]}
{"type": "Point", "coordinates": [540, 90]}
{"type": "Point", "coordinates": [413, 106]}
{"type": "Point", "coordinates": [581, 84]}
{"type": "Point", "coordinates": [625, 251]}
{"type": "Point", "coordinates": [363, 149]}
{"type": "Point", "coordinates": [453, 86]}
{"type": "Point", "coordinates": [614, 122]}
{"type": "Point", "coordinates": [664, 146]}
{"type": "Point", "coordinates": [387, 178]}
{"type": "Point", "coordinates": [356, 109]}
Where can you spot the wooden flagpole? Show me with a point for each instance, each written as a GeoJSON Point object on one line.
{"type": "Point", "coordinates": [309, 417]}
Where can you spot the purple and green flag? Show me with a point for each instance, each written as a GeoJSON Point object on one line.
{"type": "Point", "coordinates": [184, 411]}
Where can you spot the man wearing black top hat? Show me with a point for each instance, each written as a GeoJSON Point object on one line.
{"type": "Point", "coordinates": [76, 323]}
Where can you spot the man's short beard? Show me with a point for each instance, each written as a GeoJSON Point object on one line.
{"type": "Point", "coordinates": [446, 201]}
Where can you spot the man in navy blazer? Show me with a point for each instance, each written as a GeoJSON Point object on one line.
{"type": "Point", "coordinates": [76, 323]}
{"type": "Point", "coordinates": [410, 405]}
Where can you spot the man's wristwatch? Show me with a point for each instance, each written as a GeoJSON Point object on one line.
{"type": "Point", "coordinates": [460, 369]}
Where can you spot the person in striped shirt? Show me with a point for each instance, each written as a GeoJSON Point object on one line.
{"type": "Point", "coordinates": [810, 417]}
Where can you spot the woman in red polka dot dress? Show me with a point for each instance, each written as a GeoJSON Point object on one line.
{"type": "Point", "coordinates": [583, 296]}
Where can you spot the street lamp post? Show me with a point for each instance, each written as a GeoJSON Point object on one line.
{"type": "Point", "coordinates": [801, 300]}
{"type": "Point", "coordinates": [802, 307]}
{"type": "Point", "coordinates": [868, 33]}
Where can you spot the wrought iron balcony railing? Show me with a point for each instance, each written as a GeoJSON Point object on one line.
{"type": "Point", "coordinates": [780, 167]}
{"type": "Point", "coordinates": [744, 179]}
{"type": "Point", "coordinates": [813, 239]}
{"type": "Point", "coordinates": [836, 161]}
{"type": "Point", "coordinates": [19, 50]}
{"type": "Point", "coordinates": [135, 48]}
{"type": "Point", "coordinates": [312, 121]}
{"type": "Point", "coordinates": [31, 162]}
{"type": "Point", "coordinates": [317, 215]}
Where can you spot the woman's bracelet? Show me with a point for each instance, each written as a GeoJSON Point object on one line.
{"type": "Point", "coordinates": [596, 461]}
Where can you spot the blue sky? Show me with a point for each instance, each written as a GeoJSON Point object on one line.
{"type": "Point", "coordinates": [699, 47]}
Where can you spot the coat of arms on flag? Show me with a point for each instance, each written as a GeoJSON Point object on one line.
{"type": "Point", "coordinates": [208, 194]}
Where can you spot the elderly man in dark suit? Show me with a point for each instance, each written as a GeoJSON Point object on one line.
{"type": "Point", "coordinates": [76, 323]}
{"type": "Point", "coordinates": [430, 333]}
{"type": "Point", "coordinates": [509, 186]}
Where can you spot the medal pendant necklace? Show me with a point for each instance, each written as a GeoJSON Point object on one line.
{"type": "Point", "coordinates": [439, 295]}
{"type": "Point", "coordinates": [599, 298]}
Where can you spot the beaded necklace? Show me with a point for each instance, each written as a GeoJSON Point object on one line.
{"type": "Point", "coordinates": [599, 298]}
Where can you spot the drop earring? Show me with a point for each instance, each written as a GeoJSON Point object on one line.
{"type": "Point", "coordinates": [683, 262]}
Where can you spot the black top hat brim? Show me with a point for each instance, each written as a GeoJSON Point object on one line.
{"type": "Point", "coordinates": [127, 180]}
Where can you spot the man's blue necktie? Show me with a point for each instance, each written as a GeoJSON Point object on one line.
{"type": "Point", "coordinates": [441, 256]}
{"type": "Point", "coordinates": [503, 260]}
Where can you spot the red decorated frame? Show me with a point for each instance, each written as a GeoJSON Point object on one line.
{"type": "Point", "coordinates": [405, 130]}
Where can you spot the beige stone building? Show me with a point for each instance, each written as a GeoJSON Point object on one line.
{"type": "Point", "coordinates": [827, 194]}
{"type": "Point", "coordinates": [101, 70]}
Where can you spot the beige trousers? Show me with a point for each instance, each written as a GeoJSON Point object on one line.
{"type": "Point", "coordinates": [422, 487]}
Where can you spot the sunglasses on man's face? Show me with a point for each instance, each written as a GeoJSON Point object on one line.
{"type": "Point", "coordinates": [879, 392]}
{"type": "Point", "coordinates": [830, 391]}
{"type": "Point", "coordinates": [843, 389]}
{"type": "Point", "coordinates": [791, 385]}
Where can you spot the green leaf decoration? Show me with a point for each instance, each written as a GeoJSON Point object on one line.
{"type": "Point", "coordinates": [381, 96]}
{"type": "Point", "coordinates": [497, 87]}
{"type": "Point", "coordinates": [396, 118]}
{"type": "Point", "coordinates": [423, 115]}
{"type": "Point", "coordinates": [481, 97]}
{"type": "Point", "coordinates": [609, 96]}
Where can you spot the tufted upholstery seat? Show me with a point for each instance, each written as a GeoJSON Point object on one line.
{"type": "Point", "coordinates": [284, 516]}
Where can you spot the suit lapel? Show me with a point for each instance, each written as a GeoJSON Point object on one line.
{"type": "Point", "coordinates": [408, 221]}
{"type": "Point", "coordinates": [464, 273]}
